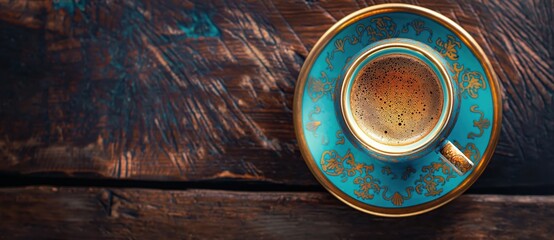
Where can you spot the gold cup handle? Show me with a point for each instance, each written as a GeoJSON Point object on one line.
{"type": "Point", "coordinates": [453, 156]}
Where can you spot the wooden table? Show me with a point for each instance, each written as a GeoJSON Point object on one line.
{"type": "Point", "coordinates": [159, 119]}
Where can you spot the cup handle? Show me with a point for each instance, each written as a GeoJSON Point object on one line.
{"type": "Point", "coordinates": [453, 156]}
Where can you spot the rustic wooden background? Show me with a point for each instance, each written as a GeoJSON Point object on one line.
{"type": "Point", "coordinates": [173, 118]}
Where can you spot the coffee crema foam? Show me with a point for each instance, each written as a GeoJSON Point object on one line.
{"type": "Point", "coordinates": [396, 99]}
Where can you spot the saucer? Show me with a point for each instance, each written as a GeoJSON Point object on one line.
{"type": "Point", "coordinates": [394, 188]}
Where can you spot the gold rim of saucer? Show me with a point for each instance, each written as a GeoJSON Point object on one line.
{"type": "Point", "coordinates": [384, 149]}
{"type": "Point", "coordinates": [475, 49]}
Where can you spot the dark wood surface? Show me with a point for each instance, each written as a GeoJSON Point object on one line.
{"type": "Point", "coordinates": [188, 94]}
{"type": "Point", "coordinates": [199, 214]}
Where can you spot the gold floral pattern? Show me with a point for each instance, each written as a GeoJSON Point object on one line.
{"type": "Point", "coordinates": [339, 47]}
{"type": "Point", "coordinates": [379, 28]}
{"type": "Point", "coordinates": [319, 87]}
{"type": "Point", "coordinates": [435, 175]}
{"type": "Point", "coordinates": [455, 68]}
{"type": "Point", "coordinates": [386, 28]}
{"type": "Point", "coordinates": [313, 125]}
{"type": "Point", "coordinates": [346, 166]}
{"type": "Point", "coordinates": [396, 198]}
{"type": "Point", "coordinates": [340, 138]}
{"type": "Point", "coordinates": [328, 61]}
{"type": "Point", "coordinates": [419, 26]}
{"type": "Point", "coordinates": [333, 164]}
{"type": "Point", "coordinates": [339, 43]}
{"type": "Point", "coordinates": [386, 170]}
{"type": "Point", "coordinates": [430, 183]}
{"type": "Point", "coordinates": [447, 48]}
{"type": "Point", "coordinates": [366, 184]}
{"type": "Point", "coordinates": [482, 123]}
{"type": "Point", "coordinates": [471, 82]}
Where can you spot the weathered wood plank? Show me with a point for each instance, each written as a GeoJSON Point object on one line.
{"type": "Point", "coordinates": [198, 90]}
{"type": "Point", "coordinates": [36, 212]}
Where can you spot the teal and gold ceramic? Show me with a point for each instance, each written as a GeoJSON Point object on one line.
{"type": "Point", "coordinates": [414, 150]}
{"type": "Point", "coordinates": [392, 180]}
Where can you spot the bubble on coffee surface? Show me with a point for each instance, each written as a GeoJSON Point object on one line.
{"type": "Point", "coordinates": [396, 99]}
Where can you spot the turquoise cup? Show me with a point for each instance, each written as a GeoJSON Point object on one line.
{"type": "Point", "coordinates": [433, 140]}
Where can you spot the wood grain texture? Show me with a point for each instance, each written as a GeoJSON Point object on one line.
{"type": "Point", "coordinates": [71, 213]}
{"type": "Point", "coordinates": [200, 90]}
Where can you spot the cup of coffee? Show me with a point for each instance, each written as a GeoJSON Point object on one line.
{"type": "Point", "coordinates": [399, 102]}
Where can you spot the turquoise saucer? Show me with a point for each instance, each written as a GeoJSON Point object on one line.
{"type": "Point", "coordinates": [360, 180]}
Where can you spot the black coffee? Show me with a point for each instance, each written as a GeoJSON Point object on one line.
{"type": "Point", "coordinates": [396, 99]}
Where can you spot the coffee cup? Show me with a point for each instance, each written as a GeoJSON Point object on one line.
{"type": "Point", "coordinates": [398, 101]}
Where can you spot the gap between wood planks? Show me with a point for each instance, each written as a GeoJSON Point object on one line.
{"type": "Point", "coordinates": [12, 180]}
